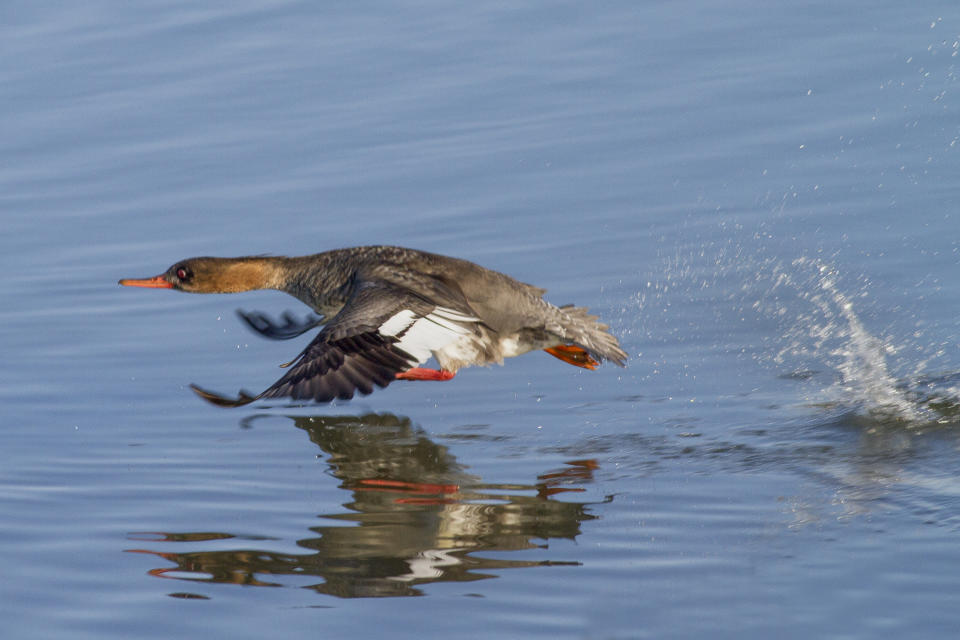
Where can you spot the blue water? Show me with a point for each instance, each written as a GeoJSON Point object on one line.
{"type": "Point", "coordinates": [762, 201]}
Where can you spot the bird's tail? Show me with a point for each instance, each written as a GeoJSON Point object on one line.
{"type": "Point", "coordinates": [580, 329]}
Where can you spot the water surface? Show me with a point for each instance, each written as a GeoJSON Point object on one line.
{"type": "Point", "coordinates": [760, 200]}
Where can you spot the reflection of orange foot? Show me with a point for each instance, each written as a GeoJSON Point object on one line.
{"type": "Point", "coordinates": [577, 471]}
{"type": "Point", "coordinates": [378, 484]}
{"type": "Point", "coordinates": [573, 355]}
{"type": "Point", "coordinates": [399, 486]}
{"type": "Point", "coordinates": [419, 373]}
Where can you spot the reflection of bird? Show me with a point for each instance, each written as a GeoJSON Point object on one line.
{"type": "Point", "coordinates": [385, 310]}
{"type": "Point", "coordinates": [411, 515]}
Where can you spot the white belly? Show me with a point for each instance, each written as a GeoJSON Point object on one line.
{"type": "Point", "coordinates": [462, 352]}
{"type": "Point", "coordinates": [510, 347]}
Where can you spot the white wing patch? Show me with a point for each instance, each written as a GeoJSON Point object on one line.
{"type": "Point", "coordinates": [420, 336]}
{"type": "Point", "coordinates": [397, 323]}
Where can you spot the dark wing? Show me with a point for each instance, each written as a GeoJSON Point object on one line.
{"type": "Point", "coordinates": [350, 354]}
{"type": "Point", "coordinates": [268, 328]}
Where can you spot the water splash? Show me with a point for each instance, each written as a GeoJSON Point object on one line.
{"type": "Point", "coordinates": [803, 321]}
{"type": "Point", "coordinates": [834, 334]}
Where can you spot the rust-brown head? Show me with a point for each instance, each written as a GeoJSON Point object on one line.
{"type": "Point", "coordinates": [211, 275]}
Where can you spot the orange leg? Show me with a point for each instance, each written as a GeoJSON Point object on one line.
{"type": "Point", "coordinates": [574, 355]}
{"type": "Point", "coordinates": [419, 373]}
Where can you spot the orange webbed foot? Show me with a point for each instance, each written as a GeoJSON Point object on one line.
{"type": "Point", "coordinates": [574, 355]}
{"type": "Point", "coordinates": [419, 373]}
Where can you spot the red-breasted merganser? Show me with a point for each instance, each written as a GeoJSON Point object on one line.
{"type": "Point", "coordinates": [385, 310]}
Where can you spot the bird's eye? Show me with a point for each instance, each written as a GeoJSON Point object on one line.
{"type": "Point", "coordinates": [183, 273]}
